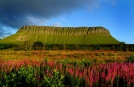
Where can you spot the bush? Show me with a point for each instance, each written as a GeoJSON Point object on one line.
{"type": "Point", "coordinates": [31, 77]}
{"type": "Point", "coordinates": [86, 62]}
{"type": "Point", "coordinates": [130, 59]}
{"type": "Point", "coordinates": [54, 81]}
{"type": "Point", "coordinates": [72, 81]}
{"type": "Point", "coordinates": [122, 46]}
{"type": "Point", "coordinates": [96, 47]}
{"type": "Point", "coordinates": [38, 45]}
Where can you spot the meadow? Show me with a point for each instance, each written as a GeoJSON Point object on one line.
{"type": "Point", "coordinates": [65, 68]}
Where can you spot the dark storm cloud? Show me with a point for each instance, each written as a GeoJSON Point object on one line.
{"type": "Point", "coordinates": [16, 13]}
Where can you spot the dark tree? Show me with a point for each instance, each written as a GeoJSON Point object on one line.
{"type": "Point", "coordinates": [132, 47]}
{"type": "Point", "coordinates": [122, 46]}
{"type": "Point", "coordinates": [27, 45]}
{"type": "Point", "coordinates": [76, 46]}
{"type": "Point", "coordinates": [64, 46]}
{"type": "Point", "coordinates": [113, 47]}
{"type": "Point", "coordinates": [96, 47]}
{"type": "Point", "coordinates": [38, 45]}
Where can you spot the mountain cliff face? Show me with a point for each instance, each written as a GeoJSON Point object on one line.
{"type": "Point", "coordinates": [64, 30]}
{"type": "Point", "coordinates": [62, 35]}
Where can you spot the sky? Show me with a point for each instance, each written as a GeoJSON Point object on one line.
{"type": "Point", "coordinates": [115, 15]}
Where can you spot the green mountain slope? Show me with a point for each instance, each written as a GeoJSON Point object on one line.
{"type": "Point", "coordinates": [61, 35]}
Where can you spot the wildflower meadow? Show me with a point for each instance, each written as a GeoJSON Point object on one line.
{"type": "Point", "coordinates": [94, 71]}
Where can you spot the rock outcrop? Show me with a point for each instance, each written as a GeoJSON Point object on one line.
{"type": "Point", "coordinates": [64, 30]}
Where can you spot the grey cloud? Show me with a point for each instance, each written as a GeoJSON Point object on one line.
{"type": "Point", "coordinates": [17, 13]}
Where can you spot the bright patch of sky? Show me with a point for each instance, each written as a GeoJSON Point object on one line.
{"type": "Point", "coordinates": [117, 17]}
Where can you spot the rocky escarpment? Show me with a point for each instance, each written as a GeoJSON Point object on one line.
{"type": "Point", "coordinates": [64, 30]}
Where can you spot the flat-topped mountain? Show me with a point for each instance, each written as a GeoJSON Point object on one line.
{"type": "Point", "coordinates": [62, 35]}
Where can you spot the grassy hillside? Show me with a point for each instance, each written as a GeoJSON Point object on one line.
{"type": "Point", "coordinates": [61, 35]}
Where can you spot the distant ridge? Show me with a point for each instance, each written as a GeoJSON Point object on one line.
{"type": "Point", "coordinates": [62, 35]}
{"type": "Point", "coordinates": [64, 30]}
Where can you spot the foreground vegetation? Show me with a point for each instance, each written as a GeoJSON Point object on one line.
{"type": "Point", "coordinates": [58, 74]}
{"type": "Point", "coordinates": [78, 68]}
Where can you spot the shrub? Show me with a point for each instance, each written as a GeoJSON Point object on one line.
{"type": "Point", "coordinates": [122, 46]}
{"type": "Point", "coordinates": [23, 77]}
{"type": "Point", "coordinates": [54, 81]}
{"type": "Point", "coordinates": [130, 59]}
{"type": "Point", "coordinates": [31, 77]}
{"type": "Point", "coordinates": [38, 45]}
{"type": "Point", "coordinates": [96, 47]}
{"type": "Point", "coordinates": [72, 81]}
{"type": "Point", "coordinates": [86, 62]}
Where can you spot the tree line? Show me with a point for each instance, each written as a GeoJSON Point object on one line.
{"type": "Point", "coordinates": [38, 45]}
